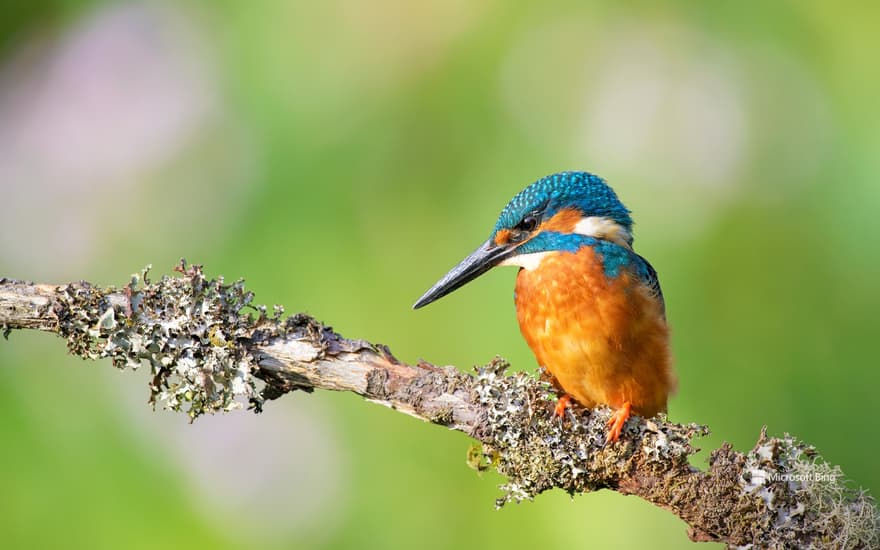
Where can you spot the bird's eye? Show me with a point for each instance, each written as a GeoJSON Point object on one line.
{"type": "Point", "coordinates": [529, 223]}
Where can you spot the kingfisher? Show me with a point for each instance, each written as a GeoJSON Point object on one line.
{"type": "Point", "coordinates": [589, 307]}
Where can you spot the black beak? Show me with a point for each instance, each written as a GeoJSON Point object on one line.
{"type": "Point", "coordinates": [480, 261]}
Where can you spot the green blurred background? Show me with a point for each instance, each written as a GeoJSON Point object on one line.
{"type": "Point", "coordinates": [341, 156]}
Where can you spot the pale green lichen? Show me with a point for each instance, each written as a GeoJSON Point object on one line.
{"type": "Point", "coordinates": [538, 451]}
{"type": "Point", "coordinates": [811, 502]}
{"type": "Point", "coordinates": [186, 327]}
{"type": "Point", "coordinates": [779, 495]}
{"type": "Point", "coordinates": [846, 517]}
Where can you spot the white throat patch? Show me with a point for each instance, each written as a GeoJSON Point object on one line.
{"type": "Point", "coordinates": [528, 262]}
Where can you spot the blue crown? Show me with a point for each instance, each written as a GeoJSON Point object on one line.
{"type": "Point", "coordinates": [587, 192]}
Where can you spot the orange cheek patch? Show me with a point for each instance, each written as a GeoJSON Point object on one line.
{"type": "Point", "coordinates": [502, 237]}
{"type": "Point", "coordinates": [562, 222]}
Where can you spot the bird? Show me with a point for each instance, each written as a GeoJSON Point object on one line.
{"type": "Point", "coordinates": [589, 307]}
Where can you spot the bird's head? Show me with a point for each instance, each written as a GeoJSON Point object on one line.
{"type": "Point", "coordinates": [556, 213]}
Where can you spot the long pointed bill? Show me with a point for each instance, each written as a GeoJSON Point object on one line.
{"type": "Point", "coordinates": [480, 261]}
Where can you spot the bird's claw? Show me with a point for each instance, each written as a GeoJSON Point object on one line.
{"type": "Point", "coordinates": [617, 422]}
{"type": "Point", "coordinates": [563, 403]}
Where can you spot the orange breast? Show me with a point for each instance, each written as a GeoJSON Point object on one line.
{"type": "Point", "coordinates": [604, 340]}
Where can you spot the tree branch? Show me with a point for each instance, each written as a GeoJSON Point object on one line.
{"type": "Point", "coordinates": [210, 349]}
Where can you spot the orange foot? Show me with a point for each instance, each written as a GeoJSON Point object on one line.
{"type": "Point", "coordinates": [563, 403]}
{"type": "Point", "coordinates": [616, 423]}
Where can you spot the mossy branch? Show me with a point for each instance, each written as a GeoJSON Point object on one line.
{"type": "Point", "coordinates": [209, 348]}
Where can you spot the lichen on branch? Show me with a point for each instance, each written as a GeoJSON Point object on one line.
{"type": "Point", "coordinates": [537, 451]}
{"type": "Point", "coordinates": [189, 330]}
{"type": "Point", "coordinates": [209, 349]}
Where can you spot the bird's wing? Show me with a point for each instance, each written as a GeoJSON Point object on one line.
{"type": "Point", "coordinates": [649, 276]}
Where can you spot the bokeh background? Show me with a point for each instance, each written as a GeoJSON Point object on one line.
{"type": "Point", "coordinates": [341, 156]}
